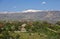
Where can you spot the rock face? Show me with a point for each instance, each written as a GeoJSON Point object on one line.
{"type": "Point", "coordinates": [32, 15]}
{"type": "Point", "coordinates": [23, 28]}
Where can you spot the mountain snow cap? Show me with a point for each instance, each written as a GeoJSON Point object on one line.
{"type": "Point", "coordinates": [32, 10]}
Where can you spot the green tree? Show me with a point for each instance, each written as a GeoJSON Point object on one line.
{"type": "Point", "coordinates": [58, 22]}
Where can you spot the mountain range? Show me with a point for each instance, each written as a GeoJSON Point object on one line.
{"type": "Point", "coordinates": [31, 15]}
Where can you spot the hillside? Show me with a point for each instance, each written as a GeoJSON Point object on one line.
{"type": "Point", "coordinates": [31, 15]}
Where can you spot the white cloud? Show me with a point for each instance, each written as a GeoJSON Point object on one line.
{"type": "Point", "coordinates": [43, 2]}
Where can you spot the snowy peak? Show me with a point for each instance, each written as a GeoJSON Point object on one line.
{"type": "Point", "coordinates": [32, 10]}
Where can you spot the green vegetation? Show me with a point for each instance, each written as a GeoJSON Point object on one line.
{"type": "Point", "coordinates": [34, 30]}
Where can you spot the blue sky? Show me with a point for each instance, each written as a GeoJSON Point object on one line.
{"type": "Point", "coordinates": [20, 5]}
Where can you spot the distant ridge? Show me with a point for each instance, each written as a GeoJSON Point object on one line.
{"type": "Point", "coordinates": [26, 11]}
{"type": "Point", "coordinates": [31, 15]}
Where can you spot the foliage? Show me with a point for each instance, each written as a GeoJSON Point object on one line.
{"type": "Point", "coordinates": [34, 30]}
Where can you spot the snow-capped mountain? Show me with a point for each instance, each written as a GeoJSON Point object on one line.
{"type": "Point", "coordinates": [31, 10]}
{"type": "Point", "coordinates": [31, 15]}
